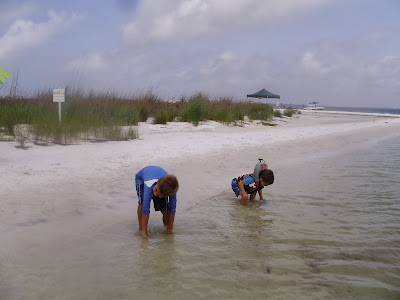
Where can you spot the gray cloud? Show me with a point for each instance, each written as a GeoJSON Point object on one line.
{"type": "Point", "coordinates": [175, 20]}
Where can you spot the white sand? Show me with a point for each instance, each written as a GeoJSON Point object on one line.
{"type": "Point", "coordinates": [44, 182]}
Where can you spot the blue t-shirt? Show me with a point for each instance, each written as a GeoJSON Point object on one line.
{"type": "Point", "coordinates": [148, 176]}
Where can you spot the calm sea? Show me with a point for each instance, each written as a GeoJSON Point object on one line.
{"type": "Point", "coordinates": [395, 111]}
{"type": "Point", "coordinates": [330, 228]}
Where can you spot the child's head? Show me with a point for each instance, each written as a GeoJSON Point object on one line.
{"type": "Point", "coordinates": [267, 177]}
{"type": "Point", "coordinates": [168, 185]}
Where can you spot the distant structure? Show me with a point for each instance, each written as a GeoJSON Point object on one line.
{"type": "Point", "coordinates": [313, 106]}
{"type": "Point", "coordinates": [264, 94]}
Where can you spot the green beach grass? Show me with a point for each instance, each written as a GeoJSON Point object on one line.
{"type": "Point", "coordinates": [112, 116]}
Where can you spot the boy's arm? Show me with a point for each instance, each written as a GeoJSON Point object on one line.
{"type": "Point", "coordinates": [243, 193]}
{"type": "Point", "coordinates": [261, 196]}
{"type": "Point", "coordinates": [171, 223]}
{"type": "Point", "coordinates": [171, 211]}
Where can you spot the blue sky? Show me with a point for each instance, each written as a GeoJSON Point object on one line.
{"type": "Point", "coordinates": [336, 52]}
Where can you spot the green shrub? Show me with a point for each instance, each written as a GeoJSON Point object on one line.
{"type": "Point", "coordinates": [162, 117]}
{"type": "Point", "coordinates": [277, 114]}
{"type": "Point", "coordinates": [131, 134]}
{"type": "Point", "coordinates": [268, 124]}
{"type": "Point", "coordinates": [222, 115]}
{"type": "Point", "coordinates": [238, 115]}
{"type": "Point", "coordinates": [128, 115]}
{"type": "Point", "coordinates": [194, 112]}
{"type": "Point", "coordinates": [288, 112]}
{"type": "Point", "coordinates": [258, 111]}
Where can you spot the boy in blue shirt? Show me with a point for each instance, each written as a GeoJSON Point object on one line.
{"type": "Point", "coordinates": [154, 183]}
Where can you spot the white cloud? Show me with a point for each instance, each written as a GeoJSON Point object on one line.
{"type": "Point", "coordinates": [93, 63]}
{"type": "Point", "coordinates": [224, 60]}
{"type": "Point", "coordinates": [227, 56]}
{"type": "Point", "coordinates": [342, 72]}
{"type": "Point", "coordinates": [176, 20]}
{"type": "Point", "coordinates": [385, 72]}
{"type": "Point", "coordinates": [24, 34]}
{"type": "Point", "coordinates": [325, 60]}
{"type": "Point", "coordinates": [388, 66]}
{"type": "Point", "coordinates": [310, 63]}
{"type": "Point", "coordinates": [344, 64]}
{"type": "Point", "coordinates": [170, 22]}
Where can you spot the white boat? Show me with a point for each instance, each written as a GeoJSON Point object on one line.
{"type": "Point", "coordinates": [313, 106]}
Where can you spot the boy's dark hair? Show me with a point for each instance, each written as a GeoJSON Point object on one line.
{"type": "Point", "coordinates": [168, 185]}
{"type": "Point", "coordinates": [267, 176]}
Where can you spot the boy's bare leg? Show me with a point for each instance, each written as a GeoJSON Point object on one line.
{"type": "Point", "coordinates": [139, 214]}
{"type": "Point", "coordinates": [168, 220]}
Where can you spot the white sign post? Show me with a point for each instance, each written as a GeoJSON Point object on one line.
{"type": "Point", "coordinates": [59, 96]}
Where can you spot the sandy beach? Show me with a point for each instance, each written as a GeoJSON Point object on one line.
{"type": "Point", "coordinates": [42, 182]}
{"type": "Point", "coordinates": [68, 214]}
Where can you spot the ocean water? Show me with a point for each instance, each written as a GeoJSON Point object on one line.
{"type": "Point", "coordinates": [330, 228]}
{"type": "Point", "coordinates": [394, 111]}
{"type": "Point", "coordinates": [379, 110]}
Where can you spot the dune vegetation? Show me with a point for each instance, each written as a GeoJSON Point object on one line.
{"type": "Point", "coordinates": [112, 116]}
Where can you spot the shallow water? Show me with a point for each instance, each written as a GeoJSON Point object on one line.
{"type": "Point", "coordinates": [330, 229]}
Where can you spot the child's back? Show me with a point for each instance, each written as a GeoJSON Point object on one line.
{"type": "Point", "coordinates": [261, 165]}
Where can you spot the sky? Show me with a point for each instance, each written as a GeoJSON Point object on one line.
{"type": "Point", "coordinates": [335, 52]}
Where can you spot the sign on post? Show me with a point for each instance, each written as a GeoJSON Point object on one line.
{"type": "Point", "coordinates": [59, 96]}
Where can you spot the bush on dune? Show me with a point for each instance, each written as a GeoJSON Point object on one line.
{"type": "Point", "coordinates": [102, 115]}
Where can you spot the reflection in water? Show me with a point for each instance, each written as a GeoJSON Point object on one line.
{"type": "Point", "coordinates": [156, 265]}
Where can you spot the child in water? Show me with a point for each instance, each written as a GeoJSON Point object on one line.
{"type": "Point", "coordinates": [154, 183]}
{"type": "Point", "coordinates": [253, 183]}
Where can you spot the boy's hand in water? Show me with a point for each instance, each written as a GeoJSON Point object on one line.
{"type": "Point", "coordinates": [168, 231]}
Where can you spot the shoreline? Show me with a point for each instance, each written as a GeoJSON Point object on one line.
{"type": "Point", "coordinates": [354, 113]}
{"type": "Point", "coordinates": [42, 183]}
